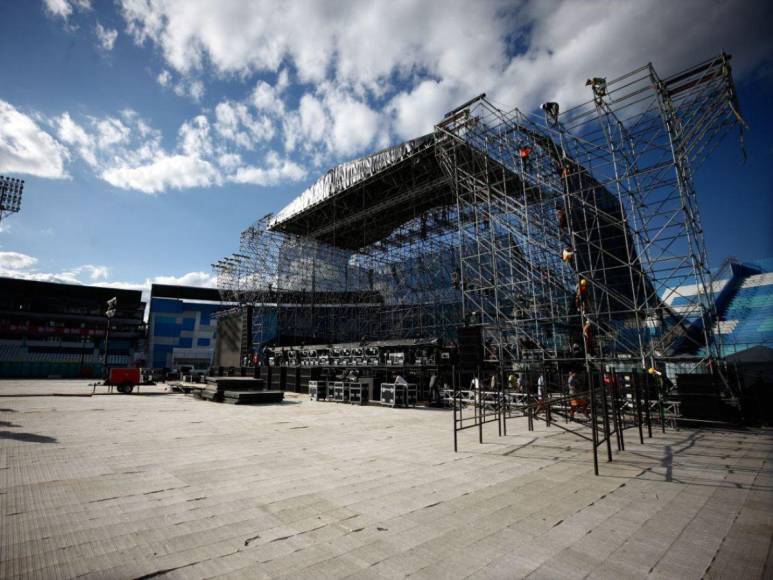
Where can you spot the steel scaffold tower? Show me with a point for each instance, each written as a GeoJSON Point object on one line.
{"type": "Point", "coordinates": [580, 236]}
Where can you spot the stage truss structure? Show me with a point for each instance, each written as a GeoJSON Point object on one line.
{"type": "Point", "coordinates": [569, 237]}
{"type": "Point", "coordinates": [303, 290]}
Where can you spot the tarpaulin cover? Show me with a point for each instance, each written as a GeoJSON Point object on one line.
{"type": "Point", "coordinates": [345, 175]}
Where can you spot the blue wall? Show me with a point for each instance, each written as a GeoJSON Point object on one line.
{"type": "Point", "coordinates": [171, 318]}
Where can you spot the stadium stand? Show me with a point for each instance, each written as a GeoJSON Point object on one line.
{"type": "Point", "coordinates": [748, 319]}
{"type": "Point", "coordinates": [743, 295]}
{"type": "Point", "coordinates": [49, 329]}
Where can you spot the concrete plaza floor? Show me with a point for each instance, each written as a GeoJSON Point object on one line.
{"type": "Point", "coordinates": [164, 485]}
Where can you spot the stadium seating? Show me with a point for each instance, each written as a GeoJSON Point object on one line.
{"type": "Point", "coordinates": [22, 354]}
{"type": "Point", "coordinates": [748, 319]}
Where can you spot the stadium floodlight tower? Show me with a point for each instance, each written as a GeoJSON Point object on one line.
{"type": "Point", "coordinates": [10, 195]}
{"type": "Point", "coordinates": [112, 306]}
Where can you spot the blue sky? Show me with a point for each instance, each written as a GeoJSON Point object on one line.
{"type": "Point", "coordinates": [150, 132]}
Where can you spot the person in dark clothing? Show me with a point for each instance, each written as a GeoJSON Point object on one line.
{"type": "Point", "coordinates": [561, 218]}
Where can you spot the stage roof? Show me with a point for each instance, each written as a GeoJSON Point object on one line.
{"type": "Point", "coordinates": [360, 202]}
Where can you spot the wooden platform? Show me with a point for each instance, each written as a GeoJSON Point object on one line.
{"type": "Point", "coordinates": [215, 389]}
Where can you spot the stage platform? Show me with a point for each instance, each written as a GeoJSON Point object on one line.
{"type": "Point", "coordinates": [238, 391]}
{"type": "Point", "coordinates": [253, 397]}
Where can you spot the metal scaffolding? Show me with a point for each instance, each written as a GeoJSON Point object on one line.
{"type": "Point", "coordinates": [580, 231]}
{"type": "Point", "coordinates": [571, 238]}
{"type": "Point", "coordinates": [306, 290]}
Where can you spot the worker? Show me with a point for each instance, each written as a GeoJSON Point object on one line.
{"type": "Point", "coordinates": [575, 403]}
{"type": "Point", "coordinates": [571, 383]}
{"type": "Point", "coordinates": [524, 151]}
{"type": "Point", "coordinates": [434, 391]}
{"type": "Point", "coordinates": [541, 387]}
{"type": "Point", "coordinates": [456, 280]}
{"type": "Point", "coordinates": [571, 387]}
{"type": "Point", "coordinates": [599, 87]}
{"type": "Point", "coordinates": [566, 255]}
{"type": "Point", "coordinates": [491, 349]}
{"type": "Point", "coordinates": [551, 112]}
{"type": "Point", "coordinates": [581, 299]}
{"type": "Point", "coordinates": [587, 335]}
{"type": "Point", "coordinates": [561, 218]}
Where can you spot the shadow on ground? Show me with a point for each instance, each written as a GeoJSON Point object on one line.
{"type": "Point", "coordinates": [27, 437]}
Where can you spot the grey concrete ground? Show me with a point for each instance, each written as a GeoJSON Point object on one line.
{"type": "Point", "coordinates": [161, 484]}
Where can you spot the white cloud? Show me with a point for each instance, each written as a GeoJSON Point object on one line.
{"type": "Point", "coordinates": [164, 78]}
{"type": "Point", "coordinates": [96, 272]}
{"type": "Point", "coordinates": [197, 279]}
{"type": "Point", "coordinates": [64, 8]}
{"type": "Point", "coordinates": [413, 59]}
{"type": "Point", "coordinates": [415, 113]}
{"type": "Point", "coordinates": [19, 265]}
{"type": "Point", "coordinates": [127, 153]}
{"type": "Point", "coordinates": [266, 98]}
{"type": "Point", "coordinates": [355, 126]}
{"type": "Point", "coordinates": [26, 148]}
{"type": "Point", "coordinates": [59, 8]}
{"type": "Point", "coordinates": [111, 131]}
{"type": "Point", "coordinates": [194, 137]}
{"type": "Point", "coordinates": [75, 275]}
{"type": "Point", "coordinates": [106, 36]}
{"type": "Point", "coordinates": [355, 42]}
{"type": "Point", "coordinates": [192, 88]}
{"type": "Point", "coordinates": [162, 173]}
{"type": "Point", "coordinates": [201, 279]}
{"type": "Point", "coordinates": [73, 134]}
{"type": "Point", "coordinates": [16, 261]}
{"type": "Point", "coordinates": [275, 171]}
{"type": "Point", "coordinates": [370, 73]}
{"type": "Point", "coordinates": [335, 123]}
{"type": "Point", "coordinates": [22, 266]}
{"type": "Point", "coordinates": [234, 122]}
{"type": "Point", "coordinates": [314, 119]}
{"type": "Point", "coordinates": [229, 161]}
{"type": "Point", "coordinates": [572, 41]}
{"type": "Point", "coordinates": [196, 90]}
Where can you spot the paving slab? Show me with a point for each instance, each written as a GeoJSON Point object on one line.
{"type": "Point", "coordinates": [160, 484]}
